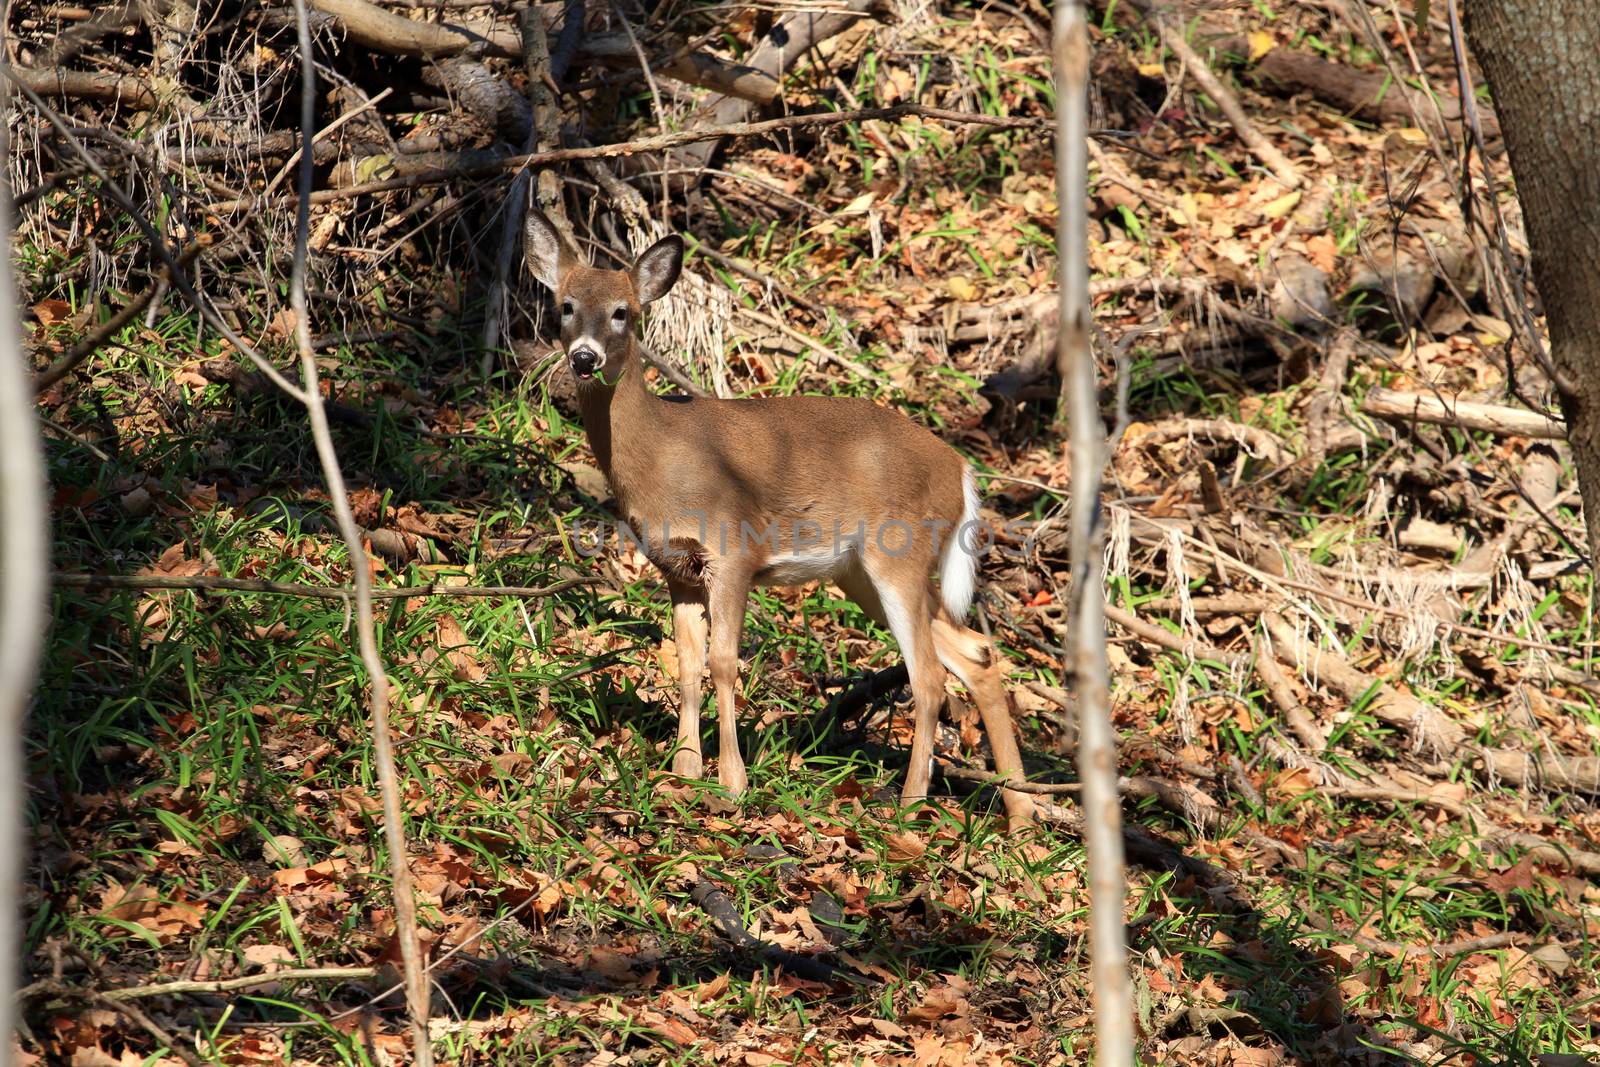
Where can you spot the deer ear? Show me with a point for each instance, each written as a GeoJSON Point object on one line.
{"type": "Point", "coordinates": [545, 252]}
{"type": "Point", "coordinates": [656, 269]}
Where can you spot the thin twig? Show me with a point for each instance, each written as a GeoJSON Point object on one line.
{"type": "Point", "coordinates": [89, 345]}
{"type": "Point", "coordinates": [439, 961]}
{"type": "Point", "coordinates": [1542, 850]}
{"type": "Point", "coordinates": [291, 974]}
{"type": "Point", "coordinates": [1441, 950]}
{"type": "Point", "coordinates": [248, 981]}
{"type": "Point", "coordinates": [656, 143]}
{"type": "Point", "coordinates": [148, 1025]}
{"type": "Point", "coordinates": [1182, 800]}
{"type": "Point", "coordinates": [215, 584]}
{"type": "Point", "coordinates": [989, 778]}
{"type": "Point", "coordinates": [355, 112]}
{"type": "Point", "coordinates": [157, 244]}
{"type": "Point", "coordinates": [725, 915]}
{"type": "Point", "coordinates": [1281, 582]}
{"type": "Point", "coordinates": [649, 75]}
{"type": "Point", "coordinates": [1085, 662]}
{"type": "Point", "coordinates": [543, 130]}
{"type": "Point", "coordinates": [405, 913]}
{"type": "Point", "coordinates": [765, 280]}
{"type": "Point", "coordinates": [1222, 96]}
{"type": "Point", "coordinates": [672, 372]}
{"type": "Point", "coordinates": [1294, 713]}
{"type": "Point", "coordinates": [54, 987]}
{"type": "Point", "coordinates": [823, 351]}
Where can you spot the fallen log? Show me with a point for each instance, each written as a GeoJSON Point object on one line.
{"type": "Point", "coordinates": [790, 39]}
{"type": "Point", "coordinates": [484, 95]}
{"type": "Point", "coordinates": [1497, 419]}
{"type": "Point", "coordinates": [385, 31]}
{"type": "Point", "coordinates": [1369, 94]}
{"type": "Point", "coordinates": [614, 50]}
{"type": "Point", "coordinates": [89, 85]}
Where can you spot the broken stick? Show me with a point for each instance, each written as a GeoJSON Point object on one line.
{"type": "Point", "coordinates": [1498, 419]}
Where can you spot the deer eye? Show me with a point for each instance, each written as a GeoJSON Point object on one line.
{"type": "Point", "coordinates": [566, 309]}
{"type": "Point", "coordinates": [619, 317]}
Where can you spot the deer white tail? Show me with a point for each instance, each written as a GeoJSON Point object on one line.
{"type": "Point", "coordinates": [958, 569]}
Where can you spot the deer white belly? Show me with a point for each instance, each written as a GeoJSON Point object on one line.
{"type": "Point", "coordinates": [818, 564]}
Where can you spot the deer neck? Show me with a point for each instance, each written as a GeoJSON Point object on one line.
{"type": "Point", "coordinates": [614, 418]}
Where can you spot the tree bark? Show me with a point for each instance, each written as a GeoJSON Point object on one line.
{"type": "Point", "coordinates": [24, 610]}
{"type": "Point", "coordinates": [1492, 418]}
{"type": "Point", "coordinates": [1542, 61]}
{"type": "Point", "coordinates": [1084, 655]}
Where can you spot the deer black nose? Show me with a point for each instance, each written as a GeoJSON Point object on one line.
{"type": "Point", "coordinates": [584, 361]}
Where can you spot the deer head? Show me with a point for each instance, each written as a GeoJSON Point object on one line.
{"type": "Point", "coordinates": [599, 308]}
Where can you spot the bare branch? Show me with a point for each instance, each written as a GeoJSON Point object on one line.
{"type": "Point", "coordinates": [479, 168]}
{"type": "Point", "coordinates": [1498, 419]}
{"type": "Point", "coordinates": [108, 88]}
{"type": "Point", "coordinates": [248, 981]}
{"type": "Point", "coordinates": [24, 565]}
{"type": "Point", "coordinates": [405, 914]}
{"type": "Point", "coordinates": [1263, 149]}
{"type": "Point", "coordinates": [213, 584]}
{"type": "Point", "coordinates": [691, 68]}
{"type": "Point", "coordinates": [157, 245]}
{"type": "Point", "coordinates": [89, 345]}
{"type": "Point", "coordinates": [544, 131]}
{"type": "Point", "coordinates": [1086, 661]}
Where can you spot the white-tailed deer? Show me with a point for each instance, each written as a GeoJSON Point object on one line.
{"type": "Point", "coordinates": [730, 494]}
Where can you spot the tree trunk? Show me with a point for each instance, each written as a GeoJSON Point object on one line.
{"type": "Point", "coordinates": [1542, 59]}
{"type": "Point", "coordinates": [24, 606]}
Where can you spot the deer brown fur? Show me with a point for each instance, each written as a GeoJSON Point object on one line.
{"type": "Point", "coordinates": [731, 494]}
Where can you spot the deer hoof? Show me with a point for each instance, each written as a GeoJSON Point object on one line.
{"type": "Point", "coordinates": [732, 778]}
{"type": "Point", "coordinates": [687, 764]}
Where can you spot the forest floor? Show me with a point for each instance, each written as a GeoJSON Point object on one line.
{"type": "Point", "coordinates": [1349, 645]}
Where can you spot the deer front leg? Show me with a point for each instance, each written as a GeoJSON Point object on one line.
{"type": "Point", "coordinates": [689, 631]}
{"type": "Point", "coordinates": [728, 594]}
{"type": "Point", "coordinates": [927, 690]}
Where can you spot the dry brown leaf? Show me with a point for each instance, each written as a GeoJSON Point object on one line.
{"type": "Point", "coordinates": [940, 1001]}
{"type": "Point", "coordinates": [904, 847]}
{"type": "Point", "coordinates": [139, 905]}
{"type": "Point", "coordinates": [269, 957]}
{"type": "Point", "coordinates": [463, 656]}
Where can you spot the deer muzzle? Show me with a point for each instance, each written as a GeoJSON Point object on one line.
{"type": "Point", "coordinates": [585, 361]}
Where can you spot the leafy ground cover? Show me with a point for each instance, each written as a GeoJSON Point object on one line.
{"type": "Point", "coordinates": [1385, 855]}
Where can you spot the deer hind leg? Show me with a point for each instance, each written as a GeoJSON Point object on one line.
{"type": "Point", "coordinates": [859, 588]}
{"type": "Point", "coordinates": [903, 602]}
{"type": "Point", "coordinates": [727, 591]}
{"type": "Point", "coordinates": [689, 631]}
{"type": "Point", "coordinates": [970, 657]}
